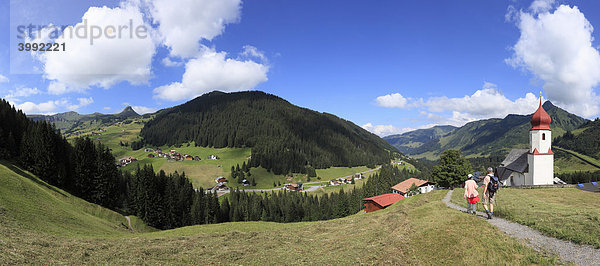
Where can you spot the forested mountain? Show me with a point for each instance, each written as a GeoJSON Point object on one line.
{"type": "Point", "coordinates": [585, 139]}
{"type": "Point", "coordinates": [284, 137]}
{"type": "Point", "coordinates": [495, 136]}
{"type": "Point", "coordinates": [410, 142]}
{"type": "Point", "coordinates": [71, 121]}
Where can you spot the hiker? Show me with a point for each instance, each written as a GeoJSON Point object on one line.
{"type": "Point", "coordinates": [490, 186]}
{"type": "Point", "coordinates": [471, 194]}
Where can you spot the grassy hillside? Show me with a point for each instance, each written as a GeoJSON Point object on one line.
{"type": "Point", "coordinates": [565, 213]}
{"type": "Point", "coordinates": [409, 142]}
{"type": "Point", "coordinates": [29, 204]}
{"type": "Point", "coordinates": [402, 233]}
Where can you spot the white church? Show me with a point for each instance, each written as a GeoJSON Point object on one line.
{"type": "Point", "coordinates": [533, 166]}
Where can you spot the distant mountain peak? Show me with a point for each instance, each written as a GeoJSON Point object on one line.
{"type": "Point", "coordinates": [128, 112]}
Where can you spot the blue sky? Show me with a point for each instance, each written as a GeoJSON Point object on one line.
{"type": "Point", "coordinates": [389, 66]}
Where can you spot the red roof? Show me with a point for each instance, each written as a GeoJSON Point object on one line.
{"type": "Point", "coordinates": [540, 120]}
{"type": "Point", "coordinates": [406, 184]}
{"type": "Point", "coordinates": [386, 199]}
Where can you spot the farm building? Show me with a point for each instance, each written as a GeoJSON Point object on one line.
{"type": "Point", "coordinates": [220, 179]}
{"type": "Point", "coordinates": [294, 187]}
{"type": "Point", "coordinates": [150, 155]}
{"type": "Point", "coordinates": [381, 202]}
{"type": "Point", "coordinates": [403, 187]}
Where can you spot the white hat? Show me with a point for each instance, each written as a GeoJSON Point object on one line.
{"type": "Point", "coordinates": [470, 175]}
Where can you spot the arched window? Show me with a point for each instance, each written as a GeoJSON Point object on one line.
{"type": "Point", "coordinates": [543, 136]}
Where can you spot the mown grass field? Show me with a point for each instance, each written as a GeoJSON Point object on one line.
{"type": "Point", "coordinates": [564, 213]}
{"type": "Point", "coordinates": [399, 234]}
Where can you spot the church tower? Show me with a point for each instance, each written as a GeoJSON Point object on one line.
{"type": "Point", "coordinates": [540, 157]}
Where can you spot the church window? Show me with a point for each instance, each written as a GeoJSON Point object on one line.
{"type": "Point", "coordinates": [543, 136]}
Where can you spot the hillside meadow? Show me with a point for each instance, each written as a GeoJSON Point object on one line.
{"type": "Point", "coordinates": [564, 213]}
{"type": "Point", "coordinates": [69, 230]}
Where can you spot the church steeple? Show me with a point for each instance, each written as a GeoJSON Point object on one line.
{"type": "Point", "coordinates": [540, 120]}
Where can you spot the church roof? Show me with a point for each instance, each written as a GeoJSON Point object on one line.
{"type": "Point", "coordinates": [540, 120]}
{"type": "Point", "coordinates": [516, 160]}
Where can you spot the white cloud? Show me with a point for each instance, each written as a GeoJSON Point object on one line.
{"type": "Point", "coordinates": [143, 109]}
{"type": "Point", "coordinates": [107, 108]}
{"type": "Point", "coordinates": [213, 71]}
{"type": "Point", "coordinates": [16, 94]}
{"type": "Point", "coordinates": [558, 49]}
{"type": "Point", "coordinates": [170, 63]}
{"type": "Point", "coordinates": [383, 130]}
{"type": "Point", "coordinates": [392, 100]}
{"type": "Point", "coordinates": [487, 102]}
{"type": "Point", "coordinates": [251, 51]}
{"type": "Point", "coordinates": [48, 107]}
{"type": "Point", "coordinates": [81, 103]}
{"type": "Point", "coordinates": [109, 60]}
{"type": "Point", "coordinates": [3, 79]}
{"type": "Point", "coordinates": [182, 25]}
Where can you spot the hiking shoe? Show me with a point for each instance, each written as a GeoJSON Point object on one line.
{"type": "Point", "coordinates": [489, 215]}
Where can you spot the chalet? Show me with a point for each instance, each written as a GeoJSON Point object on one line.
{"type": "Point", "coordinates": [148, 150]}
{"type": "Point", "coordinates": [127, 160]}
{"type": "Point", "coordinates": [358, 176]}
{"type": "Point", "coordinates": [196, 158]}
{"type": "Point", "coordinates": [189, 157]}
{"type": "Point", "coordinates": [403, 187]}
{"type": "Point", "coordinates": [220, 179]}
{"type": "Point", "coordinates": [294, 187]}
{"type": "Point", "coordinates": [349, 180]}
{"type": "Point", "coordinates": [335, 182]}
{"type": "Point", "coordinates": [381, 202]}
{"type": "Point", "coordinates": [160, 154]}
{"type": "Point", "coordinates": [172, 151]}
{"type": "Point", "coordinates": [245, 182]}
{"type": "Point", "coordinates": [150, 155]}
{"type": "Point", "coordinates": [213, 157]}
{"type": "Point", "coordinates": [221, 187]}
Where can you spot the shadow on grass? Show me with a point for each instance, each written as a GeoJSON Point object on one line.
{"type": "Point", "coordinates": [30, 177]}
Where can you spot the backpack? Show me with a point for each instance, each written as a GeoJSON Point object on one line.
{"type": "Point", "coordinates": [493, 185]}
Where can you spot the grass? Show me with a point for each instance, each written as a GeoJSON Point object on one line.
{"type": "Point", "coordinates": [28, 203]}
{"type": "Point", "coordinates": [419, 230]}
{"type": "Point", "coordinates": [564, 213]}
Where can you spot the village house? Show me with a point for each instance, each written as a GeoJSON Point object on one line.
{"type": "Point", "coordinates": [148, 150]}
{"type": "Point", "coordinates": [189, 157]}
{"type": "Point", "coordinates": [533, 166]}
{"type": "Point", "coordinates": [294, 187]}
{"type": "Point", "coordinates": [150, 155]}
{"type": "Point", "coordinates": [220, 180]}
{"type": "Point", "coordinates": [381, 202]}
{"type": "Point", "coordinates": [335, 182]}
{"type": "Point", "coordinates": [197, 158]}
{"type": "Point", "coordinates": [245, 182]}
{"type": "Point", "coordinates": [403, 187]}
{"type": "Point", "coordinates": [127, 160]}
{"type": "Point", "coordinates": [213, 157]}
{"type": "Point", "coordinates": [358, 176]}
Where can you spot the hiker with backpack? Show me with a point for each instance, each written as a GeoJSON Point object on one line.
{"type": "Point", "coordinates": [490, 187]}
{"type": "Point", "coordinates": [471, 194]}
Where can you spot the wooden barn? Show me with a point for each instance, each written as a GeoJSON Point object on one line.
{"type": "Point", "coordinates": [381, 202]}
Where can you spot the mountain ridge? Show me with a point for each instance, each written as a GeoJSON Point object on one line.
{"type": "Point", "coordinates": [492, 136]}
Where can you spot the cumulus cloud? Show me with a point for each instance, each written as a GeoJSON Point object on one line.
{"type": "Point", "coordinates": [143, 109]}
{"type": "Point", "coordinates": [3, 79]}
{"type": "Point", "coordinates": [392, 100]}
{"type": "Point", "coordinates": [487, 102]}
{"type": "Point", "coordinates": [253, 52]}
{"type": "Point", "coordinates": [383, 130]}
{"type": "Point", "coordinates": [81, 103]}
{"type": "Point", "coordinates": [557, 48]}
{"type": "Point", "coordinates": [213, 71]}
{"type": "Point", "coordinates": [16, 94]}
{"type": "Point", "coordinates": [182, 25]}
{"type": "Point", "coordinates": [48, 107]}
{"type": "Point", "coordinates": [113, 57]}
{"type": "Point", "coordinates": [170, 63]}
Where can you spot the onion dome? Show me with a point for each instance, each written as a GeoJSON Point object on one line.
{"type": "Point", "coordinates": [540, 119]}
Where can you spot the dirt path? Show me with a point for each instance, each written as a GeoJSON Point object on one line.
{"type": "Point", "coordinates": [129, 222]}
{"type": "Point", "coordinates": [567, 251]}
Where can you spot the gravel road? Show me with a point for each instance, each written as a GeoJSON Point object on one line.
{"type": "Point", "coordinates": [567, 251]}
